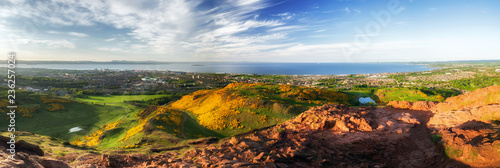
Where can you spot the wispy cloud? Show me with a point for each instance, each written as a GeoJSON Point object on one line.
{"type": "Point", "coordinates": [203, 29]}
{"type": "Point", "coordinates": [161, 25]}
{"type": "Point", "coordinates": [286, 15]}
{"type": "Point", "coordinates": [110, 39]}
{"type": "Point", "coordinates": [53, 44]}
{"type": "Point", "coordinates": [76, 34]}
{"type": "Point", "coordinates": [112, 49]}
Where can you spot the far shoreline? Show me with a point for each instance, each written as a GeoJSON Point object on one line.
{"type": "Point", "coordinates": [303, 69]}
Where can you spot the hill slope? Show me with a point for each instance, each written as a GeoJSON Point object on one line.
{"type": "Point", "coordinates": [239, 107]}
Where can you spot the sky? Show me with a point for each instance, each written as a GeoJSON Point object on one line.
{"type": "Point", "coordinates": [251, 30]}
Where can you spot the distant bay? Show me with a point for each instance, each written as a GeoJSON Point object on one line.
{"type": "Point", "coordinates": [250, 68]}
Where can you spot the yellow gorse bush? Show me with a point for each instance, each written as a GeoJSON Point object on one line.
{"type": "Point", "coordinates": [55, 107]}
{"type": "Point", "coordinates": [160, 113]}
{"type": "Point", "coordinates": [4, 103]}
{"type": "Point", "coordinates": [47, 100]}
{"type": "Point", "coordinates": [26, 111]}
{"type": "Point", "coordinates": [94, 138]}
{"type": "Point", "coordinates": [133, 131]}
{"type": "Point", "coordinates": [212, 107]}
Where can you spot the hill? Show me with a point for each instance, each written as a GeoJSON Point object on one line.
{"type": "Point", "coordinates": [93, 122]}
{"type": "Point", "coordinates": [404, 94]}
{"type": "Point", "coordinates": [54, 116]}
{"type": "Point", "coordinates": [156, 126]}
{"type": "Point", "coordinates": [240, 107]}
{"type": "Point", "coordinates": [111, 122]}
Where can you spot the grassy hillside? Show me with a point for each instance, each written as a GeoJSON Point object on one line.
{"type": "Point", "coordinates": [102, 125]}
{"type": "Point", "coordinates": [404, 94]}
{"type": "Point", "coordinates": [155, 126]}
{"type": "Point", "coordinates": [114, 122]}
{"type": "Point", "coordinates": [117, 100]}
{"type": "Point", "coordinates": [479, 97]}
{"type": "Point", "coordinates": [240, 107]}
{"type": "Point", "coordinates": [52, 116]}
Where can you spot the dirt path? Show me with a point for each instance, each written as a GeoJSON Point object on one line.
{"type": "Point", "coordinates": [357, 97]}
{"type": "Point", "coordinates": [184, 117]}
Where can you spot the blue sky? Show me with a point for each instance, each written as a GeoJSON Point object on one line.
{"type": "Point", "coordinates": [251, 30]}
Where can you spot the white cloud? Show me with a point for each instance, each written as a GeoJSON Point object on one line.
{"type": "Point", "coordinates": [286, 15]}
{"type": "Point", "coordinates": [320, 30]}
{"type": "Point", "coordinates": [367, 35]}
{"type": "Point", "coordinates": [112, 49]}
{"type": "Point", "coordinates": [53, 44]}
{"type": "Point", "coordinates": [68, 33]}
{"type": "Point", "coordinates": [289, 28]}
{"type": "Point", "coordinates": [173, 28]}
{"type": "Point", "coordinates": [77, 34]}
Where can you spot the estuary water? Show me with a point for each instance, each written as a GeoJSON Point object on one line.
{"type": "Point", "coordinates": [249, 68]}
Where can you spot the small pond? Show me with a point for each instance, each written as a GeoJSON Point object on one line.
{"type": "Point", "coordinates": [365, 100]}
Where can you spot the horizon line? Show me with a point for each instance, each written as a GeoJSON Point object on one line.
{"type": "Point", "coordinates": [159, 62]}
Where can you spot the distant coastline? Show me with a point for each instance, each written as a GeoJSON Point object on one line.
{"type": "Point", "coordinates": [264, 68]}
{"type": "Point", "coordinates": [201, 63]}
{"type": "Point", "coordinates": [244, 68]}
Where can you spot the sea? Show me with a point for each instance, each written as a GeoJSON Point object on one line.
{"type": "Point", "coordinates": [248, 68]}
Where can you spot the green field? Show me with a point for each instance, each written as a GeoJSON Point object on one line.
{"type": "Point", "coordinates": [117, 100]}
{"type": "Point", "coordinates": [404, 94]}
{"type": "Point", "coordinates": [90, 114]}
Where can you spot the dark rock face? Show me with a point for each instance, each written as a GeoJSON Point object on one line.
{"type": "Point", "coordinates": [22, 146]}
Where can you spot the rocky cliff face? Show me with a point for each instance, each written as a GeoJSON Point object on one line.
{"type": "Point", "coordinates": [419, 105]}
{"type": "Point", "coordinates": [467, 126]}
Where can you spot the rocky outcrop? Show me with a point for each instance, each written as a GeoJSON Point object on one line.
{"type": "Point", "coordinates": [27, 155]}
{"type": "Point", "coordinates": [477, 98]}
{"type": "Point", "coordinates": [419, 105]}
{"type": "Point", "coordinates": [474, 143]}
{"type": "Point", "coordinates": [443, 120]}
{"type": "Point", "coordinates": [28, 160]}
{"type": "Point", "coordinates": [22, 146]}
{"type": "Point", "coordinates": [469, 127]}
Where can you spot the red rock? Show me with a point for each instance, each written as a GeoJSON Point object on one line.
{"type": "Point", "coordinates": [259, 157]}
{"type": "Point", "coordinates": [234, 140]}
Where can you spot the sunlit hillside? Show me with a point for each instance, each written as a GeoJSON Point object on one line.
{"type": "Point", "coordinates": [240, 106]}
